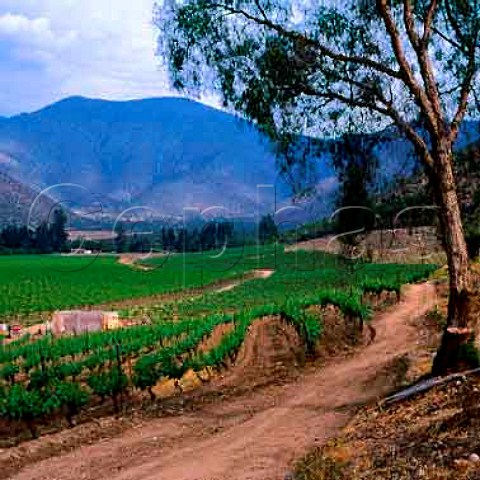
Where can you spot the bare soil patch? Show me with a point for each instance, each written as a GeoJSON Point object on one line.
{"type": "Point", "coordinates": [433, 436]}
{"type": "Point", "coordinates": [401, 245]}
{"type": "Point", "coordinates": [249, 276]}
{"type": "Point", "coordinates": [253, 434]}
{"type": "Point", "coordinates": [272, 351]}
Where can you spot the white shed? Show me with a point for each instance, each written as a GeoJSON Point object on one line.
{"type": "Point", "coordinates": [81, 321]}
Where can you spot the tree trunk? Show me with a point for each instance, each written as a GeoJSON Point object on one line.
{"type": "Point", "coordinates": [32, 427]}
{"type": "Point", "coordinates": [458, 330]}
{"type": "Point", "coordinates": [69, 416]}
{"type": "Point", "coordinates": [115, 405]}
{"type": "Point", "coordinates": [152, 394]}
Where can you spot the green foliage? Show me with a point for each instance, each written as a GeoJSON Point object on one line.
{"type": "Point", "coordinates": [8, 372]}
{"type": "Point", "coordinates": [167, 361]}
{"type": "Point", "coordinates": [147, 372]}
{"type": "Point", "coordinates": [58, 233]}
{"type": "Point", "coordinates": [227, 347]}
{"type": "Point", "coordinates": [355, 162]}
{"type": "Point", "coordinates": [267, 229]}
{"type": "Point", "coordinates": [109, 384]}
{"type": "Point", "coordinates": [40, 378]}
{"type": "Point", "coordinates": [38, 283]}
{"type": "Point", "coordinates": [49, 236]}
{"type": "Point", "coordinates": [469, 354]}
{"type": "Point", "coordinates": [25, 405]}
{"type": "Point", "coordinates": [320, 67]}
{"type": "Point", "coordinates": [72, 397]}
{"type": "Point", "coordinates": [59, 374]}
{"type": "Point", "coordinates": [121, 239]}
{"type": "Point", "coordinates": [472, 237]}
{"type": "Point", "coordinates": [307, 325]}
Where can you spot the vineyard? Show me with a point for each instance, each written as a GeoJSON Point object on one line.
{"type": "Point", "coordinates": [52, 376]}
{"type": "Point", "coordinates": [44, 283]}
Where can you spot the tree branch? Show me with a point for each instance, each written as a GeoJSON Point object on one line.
{"type": "Point", "coordinates": [322, 49]}
{"type": "Point", "coordinates": [409, 22]}
{"type": "Point", "coordinates": [261, 9]}
{"type": "Point", "coordinates": [454, 24]}
{"type": "Point", "coordinates": [419, 143]}
{"type": "Point", "coordinates": [449, 40]}
{"type": "Point", "coordinates": [467, 86]}
{"type": "Point", "coordinates": [451, 90]}
{"type": "Point", "coordinates": [427, 24]}
{"type": "Point", "coordinates": [421, 49]}
{"type": "Point", "coordinates": [407, 74]}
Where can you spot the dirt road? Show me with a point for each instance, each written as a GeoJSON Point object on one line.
{"type": "Point", "coordinates": [255, 436]}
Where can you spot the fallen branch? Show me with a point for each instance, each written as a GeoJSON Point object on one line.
{"type": "Point", "coordinates": [425, 385]}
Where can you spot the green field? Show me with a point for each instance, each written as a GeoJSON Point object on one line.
{"type": "Point", "coordinates": [43, 283]}
{"type": "Point", "coordinates": [53, 375]}
{"type": "Point", "coordinates": [297, 275]}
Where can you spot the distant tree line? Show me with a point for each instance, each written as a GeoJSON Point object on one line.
{"type": "Point", "coordinates": [48, 237]}
{"type": "Point", "coordinates": [52, 237]}
{"type": "Point", "coordinates": [176, 239]}
{"type": "Point", "coordinates": [210, 236]}
{"type": "Point", "coordinates": [213, 235]}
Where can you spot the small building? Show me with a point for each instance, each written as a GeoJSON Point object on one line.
{"type": "Point", "coordinates": [72, 322]}
{"type": "Point", "coordinates": [4, 330]}
{"type": "Point", "coordinates": [16, 329]}
{"type": "Point", "coordinates": [81, 251]}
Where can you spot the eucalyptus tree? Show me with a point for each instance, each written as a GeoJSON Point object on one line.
{"type": "Point", "coordinates": [356, 163]}
{"type": "Point", "coordinates": [313, 66]}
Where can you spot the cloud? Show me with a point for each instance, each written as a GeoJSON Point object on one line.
{"type": "Point", "coordinates": [14, 24]}
{"type": "Point", "coordinates": [50, 49]}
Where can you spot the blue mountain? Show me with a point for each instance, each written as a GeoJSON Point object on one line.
{"type": "Point", "coordinates": [166, 154]}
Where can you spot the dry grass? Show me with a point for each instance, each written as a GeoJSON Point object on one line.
{"type": "Point", "coordinates": [417, 245]}
{"type": "Point", "coordinates": [431, 436]}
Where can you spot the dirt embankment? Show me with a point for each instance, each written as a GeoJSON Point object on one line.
{"type": "Point", "coordinates": [399, 245]}
{"type": "Point", "coordinates": [256, 434]}
{"type": "Point", "coordinates": [432, 435]}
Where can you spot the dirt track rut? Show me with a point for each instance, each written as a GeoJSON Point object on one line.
{"type": "Point", "coordinates": [256, 436]}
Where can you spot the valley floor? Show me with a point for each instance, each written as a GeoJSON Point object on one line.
{"type": "Point", "coordinates": [256, 434]}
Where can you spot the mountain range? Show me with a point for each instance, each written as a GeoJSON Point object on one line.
{"type": "Point", "coordinates": [154, 157]}
{"type": "Point", "coordinates": [157, 156]}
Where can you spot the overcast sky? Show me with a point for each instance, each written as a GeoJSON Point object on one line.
{"type": "Point", "coordinates": [51, 49]}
